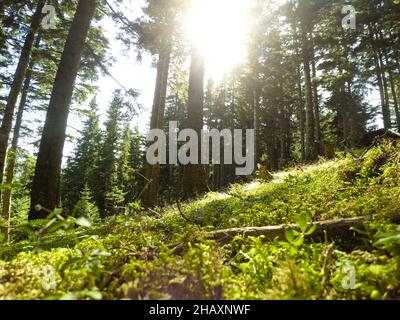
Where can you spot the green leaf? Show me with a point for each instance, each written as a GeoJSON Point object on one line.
{"type": "Point", "coordinates": [299, 241]}
{"type": "Point", "coordinates": [100, 253]}
{"type": "Point", "coordinates": [311, 230]}
{"type": "Point", "coordinates": [388, 240]}
{"type": "Point", "coordinates": [289, 235]}
{"type": "Point", "coordinates": [302, 222]}
{"type": "Point", "coordinates": [296, 233]}
{"type": "Point", "coordinates": [83, 222]}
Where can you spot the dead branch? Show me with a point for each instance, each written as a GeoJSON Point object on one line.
{"type": "Point", "coordinates": [342, 229]}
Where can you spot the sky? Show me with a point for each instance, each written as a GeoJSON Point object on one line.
{"type": "Point", "coordinates": [222, 39]}
{"type": "Point", "coordinates": [130, 73]}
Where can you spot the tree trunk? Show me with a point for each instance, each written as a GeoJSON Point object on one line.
{"type": "Point", "coordinates": [232, 167]}
{"type": "Point", "coordinates": [394, 91]}
{"type": "Point", "coordinates": [150, 195]}
{"type": "Point", "coordinates": [310, 122]}
{"type": "Point", "coordinates": [391, 79]}
{"type": "Point", "coordinates": [379, 75]}
{"type": "Point", "coordinates": [12, 154]}
{"type": "Point", "coordinates": [386, 91]}
{"type": "Point", "coordinates": [385, 111]}
{"type": "Point", "coordinates": [256, 111]}
{"type": "Point", "coordinates": [16, 85]}
{"type": "Point", "coordinates": [318, 133]}
{"type": "Point", "coordinates": [194, 178]}
{"type": "Point", "coordinates": [46, 183]}
{"type": "Point", "coordinates": [395, 99]}
{"type": "Point", "coordinates": [301, 115]}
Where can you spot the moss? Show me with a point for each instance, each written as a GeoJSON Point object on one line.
{"type": "Point", "coordinates": [131, 257]}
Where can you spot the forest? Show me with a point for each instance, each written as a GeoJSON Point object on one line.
{"type": "Point", "coordinates": [117, 196]}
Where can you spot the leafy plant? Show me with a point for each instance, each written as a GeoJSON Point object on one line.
{"type": "Point", "coordinates": [295, 237]}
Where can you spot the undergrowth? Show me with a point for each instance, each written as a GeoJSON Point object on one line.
{"type": "Point", "coordinates": [135, 256]}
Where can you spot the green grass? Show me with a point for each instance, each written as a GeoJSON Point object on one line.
{"type": "Point", "coordinates": [132, 257]}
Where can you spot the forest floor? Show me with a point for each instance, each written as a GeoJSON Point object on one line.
{"type": "Point", "coordinates": [168, 254]}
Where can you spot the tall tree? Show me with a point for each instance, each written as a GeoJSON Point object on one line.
{"type": "Point", "coordinates": [194, 177]}
{"type": "Point", "coordinates": [111, 193]}
{"type": "Point", "coordinates": [16, 85]}
{"type": "Point", "coordinates": [152, 172]}
{"type": "Point", "coordinates": [82, 167]}
{"type": "Point", "coordinates": [46, 188]}
{"type": "Point", "coordinates": [305, 23]}
{"type": "Point", "coordinates": [12, 154]}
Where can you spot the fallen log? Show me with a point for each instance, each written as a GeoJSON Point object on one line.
{"type": "Point", "coordinates": [343, 229]}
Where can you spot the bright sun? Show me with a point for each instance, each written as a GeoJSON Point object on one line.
{"type": "Point", "coordinates": [220, 28]}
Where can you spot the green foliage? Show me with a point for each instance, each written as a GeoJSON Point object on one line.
{"type": "Point", "coordinates": [139, 256]}
{"type": "Point", "coordinates": [295, 237]}
{"type": "Point", "coordinates": [86, 208]}
{"type": "Point", "coordinates": [105, 164]}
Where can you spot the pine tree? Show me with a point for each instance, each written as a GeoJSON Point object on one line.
{"type": "Point", "coordinates": [46, 184]}
{"type": "Point", "coordinates": [112, 196]}
{"type": "Point", "coordinates": [194, 177]}
{"type": "Point", "coordinates": [130, 164]}
{"type": "Point", "coordinates": [16, 86]}
{"type": "Point", "coordinates": [86, 208]}
{"type": "Point", "coordinates": [82, 166]}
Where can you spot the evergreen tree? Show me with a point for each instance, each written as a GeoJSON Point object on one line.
{"type": "Point", "coordinates": [46, 184]}
{"type": "Point", "coordinates": [110, 189]}
{"type": "Point", "coordinates": [82, 167]}
{"type": "Point", "coordinates": [86, 208]}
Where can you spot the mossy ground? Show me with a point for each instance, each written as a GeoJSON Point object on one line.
{"type": "Point", "coordinates": [132, 256]}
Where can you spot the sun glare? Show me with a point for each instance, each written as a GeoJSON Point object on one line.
{"type": "Point", "coordinates": [220, 28]}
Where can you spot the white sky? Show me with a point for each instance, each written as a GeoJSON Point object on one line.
{"type": "Point", "coordinates": [129, 73]}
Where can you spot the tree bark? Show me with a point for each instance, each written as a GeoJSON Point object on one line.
{"type": "Point", "coordinates": [256, 124]}
{"type": "Point", "coordinates": [395, 99]}
{"type": "Point", "coordinates": [46, 183]}
{"type": "Point", "coordinates": [301, 114]}
{"type": "Point", "coordinates": [194, 178]}
{"type": "Point", "coordinates": [386, 90]}
{"type": "Point", "coordinates": [310, 121]}
{"type": "Point", "coordinates": [385, 110]}
{"type": "Point", "coordinates": [16, 85]}
{"type": "Point", "coordinates": [379, 75]}
{"type": "Point", "coordinates": [318, 132]}
{"type": "Point", "coordinates": [394, 91]}
{"type": "Point", "coordinates": [150, 195]}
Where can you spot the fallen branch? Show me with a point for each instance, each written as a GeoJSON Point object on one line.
{"type": "Point", "coordinates": [342, 229]}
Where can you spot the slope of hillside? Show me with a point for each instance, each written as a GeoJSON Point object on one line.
{"type": "Point", "coordinates": [167, 253]}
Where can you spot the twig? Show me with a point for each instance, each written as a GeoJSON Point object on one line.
{"type": "Point", "coordinates": [123, 248]}
{"type": "Point", "coordinates": [325, 267]}
{"type": "Point", "coordinates": [197, 223]}
{"type": "Point", "coordinates": [131, 25]}
{"type": "Point", "coordinates": [182, 214]}
{"type": "Point", "coordinates": [155, 212]}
